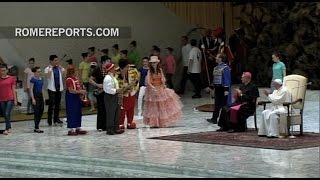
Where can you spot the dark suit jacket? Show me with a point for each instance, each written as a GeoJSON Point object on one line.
{"type": "Point", "coordinates": [207, 45]}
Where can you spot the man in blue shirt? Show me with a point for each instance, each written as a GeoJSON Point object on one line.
{"type": "Point", "coordinates": [36, 84]}
{"type": "Point", "coordinates": [221, 84]}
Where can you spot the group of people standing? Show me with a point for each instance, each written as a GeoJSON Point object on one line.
{"type": "Point", "coordinates": [117, 81]}
{"type": "Point", "coordinates": [8, 97]}
{"type": "Point", "coordinates": [120, 86]}
{"type": "Point", "coordinates": [231, 106]}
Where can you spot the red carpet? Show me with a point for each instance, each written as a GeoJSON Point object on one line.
{"type": "Point", "coordinates": [205, 108]}
{"type": "Point", "coordinates": [248, 139]}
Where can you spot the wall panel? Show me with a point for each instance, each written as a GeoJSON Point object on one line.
{"type": "Point", "coordinates": [207, 14]}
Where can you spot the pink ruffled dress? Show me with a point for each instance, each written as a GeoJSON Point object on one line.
{"type": "Point", "coordinates": [162, 106]}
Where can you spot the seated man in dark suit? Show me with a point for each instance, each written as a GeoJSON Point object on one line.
{"type": "Point", "coordinates": [233, 117]}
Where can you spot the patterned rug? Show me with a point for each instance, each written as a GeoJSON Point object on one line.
{"type": "Point", "coordinates": [205, 108]}
{"type": "Point", "coordinates": [248, 139]}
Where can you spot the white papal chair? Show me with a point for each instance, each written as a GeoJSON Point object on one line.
{"type": "Point", "coordinates": [297, 87]}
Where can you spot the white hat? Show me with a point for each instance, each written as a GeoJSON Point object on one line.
{"type": "Point", "coordinates": [154, 59]}
{"type": "Point", "coordinates": [278, 81]}
{"type": "Point", "coordinates": [93, 64]}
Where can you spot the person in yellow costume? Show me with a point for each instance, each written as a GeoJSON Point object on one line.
{"type": "Point", "coordinates": [128, 78]}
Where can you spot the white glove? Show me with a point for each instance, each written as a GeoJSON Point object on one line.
{"type": "Point", "coordinates": [226, 93]}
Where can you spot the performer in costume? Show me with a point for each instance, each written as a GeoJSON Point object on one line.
{"type": "Point", "coordinates": [220, 46]}
{"type": "Point", "coordinates": [221, 85]}
{"type": "Point", "coordinates": [210, 52]}
{"type": "Point", "coordinates": [111, 90]}
{"type": "Point", "coordinates": [162, 105]}
{"type": "Point", "coordinates": [73, 102]}
{"type": "Point", "coordinates": [128, 76]}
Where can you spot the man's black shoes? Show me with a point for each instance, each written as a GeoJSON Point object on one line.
{"type": "Point", "coordinates": [213, 121]}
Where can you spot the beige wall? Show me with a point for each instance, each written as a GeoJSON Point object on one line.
{"type": "Point", "coordinates": [151, 23]}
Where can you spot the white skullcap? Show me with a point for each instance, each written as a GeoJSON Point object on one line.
{"type": "Point", "coordinates": [278, 81]}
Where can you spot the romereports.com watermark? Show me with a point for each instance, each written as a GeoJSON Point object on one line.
{"type": "Point", "coordinates": [69, 32]}
{"type": "Point", "coordinates": [65, 32]}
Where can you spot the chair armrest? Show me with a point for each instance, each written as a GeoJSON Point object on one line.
{"type": "Point", "coordinates": [294, 102]}
{"type": "Point", "coordinates": [263, 102]}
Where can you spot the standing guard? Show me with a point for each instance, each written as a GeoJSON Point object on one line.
{"type": "Point", "coordinates": [221, 85]}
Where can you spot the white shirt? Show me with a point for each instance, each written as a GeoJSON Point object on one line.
{"type": "Point", "coordinates": [51, 85]}
{"type": "Point", "coordinates": [30, 75]}
{"type": "Point", "coordinates": [185, 50]}
{"type": "Point", "coordinates": [195, 59]}
{"type": "Point", "coordinates": [110, 84]}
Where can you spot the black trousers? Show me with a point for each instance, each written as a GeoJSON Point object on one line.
{"type": "Point", "coordinates": [185, 77]}
{"type": "Point", "coordinates": [101, 112]}
{"type": "Point", "coordinates": [244, 112]}
{"type": "Point", "coordinates": [220, 100]}
{"type": "Point", "coordinates": [38, 109]}
{"type": "Point", "coordinates": [196, 81]}
{"type": "Point", "coordinates": [169, 81]}
{"type": "Point", "coordinates": [112, 111]}
{"type": "Point", "coordinates": [224, 121]}
{"type": "Point", "coordinates": [54, 106]}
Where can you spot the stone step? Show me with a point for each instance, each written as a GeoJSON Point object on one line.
{"type": "Point", "coordinates": [175, 171]}
{"type": "Point", "coordinates": [16, 173]}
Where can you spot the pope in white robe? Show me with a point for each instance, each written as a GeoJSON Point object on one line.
{"type": "Point", "coordinates": [270, 124]}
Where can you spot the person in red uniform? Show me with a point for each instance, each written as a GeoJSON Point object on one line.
{"type": "Point", "coordinates": [7, 96]}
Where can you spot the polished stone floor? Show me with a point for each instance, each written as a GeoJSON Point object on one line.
{"type": "Point", "coordinates": [133, 145]}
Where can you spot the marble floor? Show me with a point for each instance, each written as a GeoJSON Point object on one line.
{"type": "Point", "coordinates": [133, 145]}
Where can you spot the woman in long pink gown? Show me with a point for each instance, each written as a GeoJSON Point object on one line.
{"type": "Point", "coordinates": [163, 107]}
